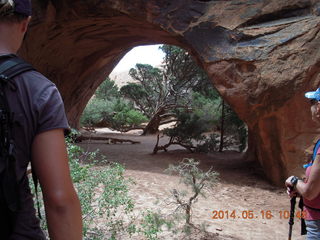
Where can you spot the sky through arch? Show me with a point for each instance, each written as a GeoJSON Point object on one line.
{"type": "Point", "coordinates": [150, 54]}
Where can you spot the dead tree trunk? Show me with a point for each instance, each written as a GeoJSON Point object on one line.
{"type": "Point", "coordinates": [108, 140]}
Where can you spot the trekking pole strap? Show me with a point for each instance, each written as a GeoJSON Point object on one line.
{"type": "Point", "coordinates": [293, 204]}
{"type": "Point", "coordinates": [303, 222]}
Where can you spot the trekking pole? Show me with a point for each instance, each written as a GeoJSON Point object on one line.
{"type": "Point", "coordinates": [291, 220]}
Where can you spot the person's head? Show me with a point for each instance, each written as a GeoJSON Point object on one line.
{"type": "Point", "coordinates": [15, 16]}
{"type": "Point", "coordinates": [315, 104]}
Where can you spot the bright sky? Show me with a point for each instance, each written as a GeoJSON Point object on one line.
{"type": "Point", "coordinates": [144, 54]}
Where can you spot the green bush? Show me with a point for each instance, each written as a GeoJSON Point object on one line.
{"type": "Point", "coordinates": [126, 119]}
{"type": "Point", "coordinates": [204, 116]}
{"type": "Point", "coordinates": [207, 109]}
{"type": "Point", "coordinates": [192, 124]}
{"type": "Point", "coordinates": [236, 127]}
{"type": "Point", "coordinates": [210, 144]}
{"type": "Point", "coordinates": [108, 109]}
{"type": "Point", "coordinates": [107, 90]}
{"type": "Point", "coordinates": [189, 127]}
{"type": "Point", "coordinates": [103, 194]}
{"type": "Point", "coordinates": [118, 114]}
{"type": "Point", "coordinates": [151, 225]}
{"type": "Point", "coordinates": [96, 111]}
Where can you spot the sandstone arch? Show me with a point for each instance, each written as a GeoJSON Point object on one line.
{"type": "Point", "coordinates": [262, 55]}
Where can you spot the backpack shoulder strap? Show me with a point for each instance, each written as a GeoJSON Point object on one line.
{"type": "Point", "coordinates": [314, 154]}
{"type": "Point", "coordinates": [13, 66]}
{"type": "Point", "coordinates": [10, 67]}
{"type": "Point", "coordinates": [315, 150]}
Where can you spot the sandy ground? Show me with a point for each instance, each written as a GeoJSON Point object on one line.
{"type": "Point", "coordinates": [242, 188]}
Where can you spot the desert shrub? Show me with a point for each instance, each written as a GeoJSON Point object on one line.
{"type": "Point", "coordinates": [118, 114]}
{"type": "Point", "coordinates": [103, 193]}
{"type": "Point", "coordinates": [107, 90]}
{"type": "Point", "coordinates": [236, 127]}
{"type": "Point", "coordinates": [207, 109]}
{"type": "Point", "coordinates": [192, 123]}
{"type": "Point", "coordinates": [209, 144]}
{"type": "Point", "coordinates": [152, 224]}
{"type": "Point", "coordinates": [126, 116]}
{"type": "Point", "coordinates": [196, 180]}
{"type": "Point", "coordinates": [112, 198]}
{"type": "Point", "coordinates": [96, 111]}
{"type": "Point", "coordinates": [205, 116]}
{"type": "Point", "coordinates": [189, 127]}
{"type": "Point", "coordinates": [108, 109]}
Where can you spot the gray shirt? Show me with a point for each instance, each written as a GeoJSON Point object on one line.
{"type": "Point", "coordinates": [37, 107]}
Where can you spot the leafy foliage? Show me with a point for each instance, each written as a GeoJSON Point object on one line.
{"type": "Point", "coordinates": [236, 127]}
{"type": "Point", "coordinates": [97, 111]}
{"type": "Point", "coordinates": [107, 108]}
{"type": "Point", "coordinates": [103, 193]}
{"type": "Point", "coordinates": [191, 125]}
{"type": "Point", "coordinates": [107, 90]}
{"type": "Point", "coordinates": [182, 70]}
{"type": "Point", "coordinates": [139, 95]}
{"type": "Point", "coordinates": [204, 116]}
{"type": "Point", "coordinates": [179, 90]}
{"type": "Point", "coordinates": [157, 92]}
{"type": "Point", "coordinates": [209, 144]}
{"type": "Point", "coordinates": [152, 224]}
{"type": "Point", "coordinates": [126, 117]}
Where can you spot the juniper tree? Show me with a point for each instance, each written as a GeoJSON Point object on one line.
{"type": "Point", "coordinates": [158, 91]}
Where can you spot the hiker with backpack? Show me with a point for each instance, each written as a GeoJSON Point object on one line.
{"type": "Point", "coordinates": [309, 188]}
{"type": "Point", "coordinates": [32, 125]}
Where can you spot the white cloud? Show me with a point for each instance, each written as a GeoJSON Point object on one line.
{"type": "Point", "coordinates": [143, 54]}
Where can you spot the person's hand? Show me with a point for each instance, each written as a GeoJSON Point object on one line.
{"type": "Point", "coordinates": [290, 190]}
{"type": "Point", "coordinates": [288, 182]}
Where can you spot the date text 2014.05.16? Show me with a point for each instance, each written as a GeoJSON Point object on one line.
{"type": "Point", "coordinates": [250, 214]}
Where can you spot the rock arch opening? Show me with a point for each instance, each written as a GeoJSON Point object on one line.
{"type": "Point", "coordinates": [173, 90]}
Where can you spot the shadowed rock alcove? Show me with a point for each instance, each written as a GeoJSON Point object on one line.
{"type": "Point", "coordinates": [262, 55]}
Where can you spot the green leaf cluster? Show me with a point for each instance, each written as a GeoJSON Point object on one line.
{"type": "Point", "coordinates": [103, 193]}
{"type": "Point", "coordinates": [191, 125]}
{"type": "Point", "coordinates": [126, 117]}
{"type": "Point", "coordinates": [107, 108]}
{"type": "Point", "coordinates": [97, 111]}
{"type": "Point", "coordinates": [107, 90]}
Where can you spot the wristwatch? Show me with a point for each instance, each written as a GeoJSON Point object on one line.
{"type": "Point", "coordinates": [294, 181]}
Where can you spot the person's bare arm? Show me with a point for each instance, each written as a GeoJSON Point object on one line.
{"type": "Point", "coordinates": [50, 162]}
{"type": "Point", "coordinates": [311, 189]}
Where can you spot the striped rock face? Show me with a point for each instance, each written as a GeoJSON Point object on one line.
{"type": "Point", "coordinates": [262, 55]}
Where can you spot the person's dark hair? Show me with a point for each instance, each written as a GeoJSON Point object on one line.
{"type": "Point", "coordinates": [8, 14]}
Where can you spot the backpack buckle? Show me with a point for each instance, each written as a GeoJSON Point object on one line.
{"type": "Point", "coordinates": [4, 77]}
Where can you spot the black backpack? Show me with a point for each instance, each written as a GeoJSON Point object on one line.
{"type": "Point", "coordinates": [10, 66]}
